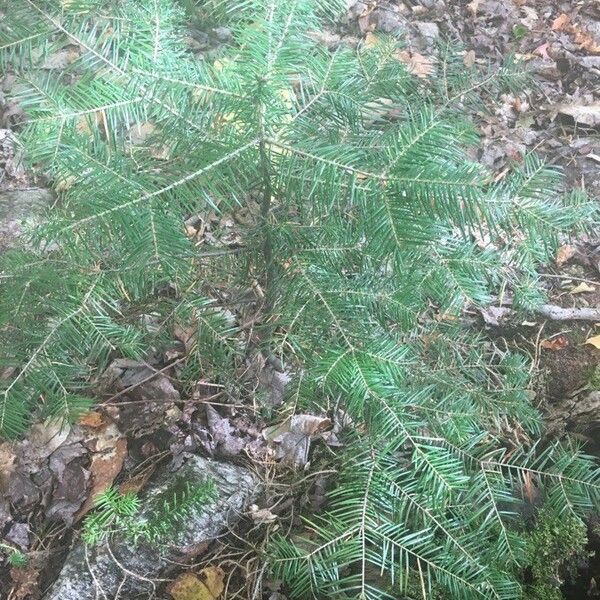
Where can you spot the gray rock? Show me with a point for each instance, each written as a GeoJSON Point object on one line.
{"type": "Point", "coordinates": [121, 570]}
{"type": "Point", "coordinates": [19, 208]}
{"type": "Point", "coordinates": [580, 414]}
{"type": "Point", "coordinates": [389, 21]}
{"type": "Point", "coordinates": [590, 62]}
{"type": "Point", "coordinates": [430, 31]}
{"type": "Point", "coordinates": [153, 398]}
{"type": "Point", "coordinates": [223, 34]}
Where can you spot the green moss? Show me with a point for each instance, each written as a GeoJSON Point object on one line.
{"type": "Point", "coordinates": [595, 379]}
{"type": "Point", "coordinates": [554, 548]}
{"type": "Point", "coordinates": [519, 31]}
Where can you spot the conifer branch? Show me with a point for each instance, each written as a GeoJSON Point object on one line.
{"type": "Point", "coordinates": [145, 197]}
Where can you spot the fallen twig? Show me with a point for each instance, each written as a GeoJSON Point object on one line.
{"type": "Point", "coordinates": [558, 313]}
{"type": "Point", "coordinates": [495, 315]}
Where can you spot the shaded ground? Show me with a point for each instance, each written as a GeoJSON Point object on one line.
{"type": "Point", "coordinates": [147, 423]}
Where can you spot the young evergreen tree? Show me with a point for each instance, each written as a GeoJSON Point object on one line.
{"type": "Point", "coordinates": [372, 230]}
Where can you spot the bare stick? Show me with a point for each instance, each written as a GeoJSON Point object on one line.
{"type": "Point", "coordinates": [558, 313]}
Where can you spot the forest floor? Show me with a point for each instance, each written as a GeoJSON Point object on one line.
{"type": "Point", "coordinates": [144, 422]}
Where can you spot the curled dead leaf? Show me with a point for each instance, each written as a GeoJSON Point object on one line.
{"type": "Point", "coordinates": [582, 114]}
{"type": "Point", "coordinates": [583, 38]}
{"type": "Point", "coordinates": [294, 436]}
{"type": "Point", "coordinates": [93, 420]}
{"type": "Point", "coordinates": [370, 40]}
{"type": "Point", "coordinates": [469, 59]}
{"type": "Point", "coordinates": [7, 463]}
{"type": "Point", "coordinates": [561, 23]}
{"type": "Point", "coordinates": [564, 254]}
{"type": "Point", "coordinates": [262, 515]}
{"type": "Point", "coordinates": [417, 64]}
{"type": "Point", "coordinates": [25, 580]}
{"type": "Point", "coordinates": [560, 342]}
{"type": "Point", "coordinates": [542, 51]}
{"type": "Point", "coordinates": [107, 462]}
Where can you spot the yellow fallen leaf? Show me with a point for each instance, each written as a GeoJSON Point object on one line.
{"type": "Point", "coordinates": [208, 585]}
{"type": "Point", "coordinates": [214, 580]}
{"type": "Point", "coordinates": [594, 341]}
{"type": "Point", "coordinates": [221, 64]}
{"type": "Point", "coordinates": [370, 40]}
{"type": "Point", "coordinates": [582, 288]}
{"type": "Point", "coordinates": [64, 185]}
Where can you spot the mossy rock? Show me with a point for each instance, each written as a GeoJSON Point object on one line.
{"type": "Point", "coordinates": [236, 487]}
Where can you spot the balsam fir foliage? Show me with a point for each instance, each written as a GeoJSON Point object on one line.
{"type": "Point", "coordinates": [14, 556]}
{"type": "Point", "coordinates": [119, 514]}
{"type": "Point", "coordinates": [373, 230]}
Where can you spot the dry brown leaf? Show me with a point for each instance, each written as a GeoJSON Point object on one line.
{"type": "Point", "coordinates": [62, 58]}
{"type": "Point", "coordinates": [262, 515]}
{"type": "Point", "coordinates": [7, 463]}
{"type": "Point", "coordinates": [560, 342]}
{"type": "Point", "coordinates": [188, 587]}
{"type": "Point", "coordinates": [214, 580]}
{"type": "Point", "coordinates": [582, 288]}
{"type": "Point", "coordinates": [417, 64]}
{"type": "Point", "coordinates": [26, 581]}
{"type": "Point", "coordinates": [65, 184]}
{"type": "Point", "coordinates": [561, 23]}
{"type": "Point", "coordinates": [93, 420]}
{"type": "Point", "coordinates": [530, 491]}
{"type": "Point", "coordinates": [583, 38]}
{"type": "Point", "coordinates": [48, 436]}
{"type": "Point", "coordinates": [140, 132]}
{"type": "Point", "coordinates": [309, 424]}
{"type": "Point", "coordinates": [186, 334]}
{"type": "Point", "coordinates": [594, 341]}
{"type": "Point", "coordinates": [137, 482]}
{"type": "Point", "coordinates": [209, 585]}
{"type": "Point", "coordinates": [586, 41]}
{"type": "Point", "coordinates": [364, 17]}
{"type": "Point", "coordinates": [294, 436]}
{"type": "Point", "coordinates": [469, 59]}
{"type": "Point", "coordinates": [107, 462]}
{"type": "Point", "coordinates": [542, 51]}
{"type": "Point", "coordinates": [530, 17]}
{"type": "Point", "coordinates": [564, 254]}
{"type": "Point", "coordinates": [85, 122]}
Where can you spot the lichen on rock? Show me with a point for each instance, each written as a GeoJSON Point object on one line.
{"type": "Point", "coordinates": [121, 569]}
